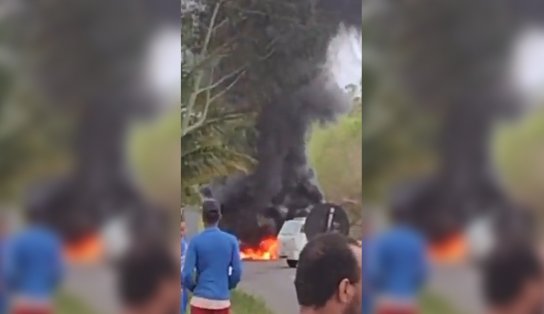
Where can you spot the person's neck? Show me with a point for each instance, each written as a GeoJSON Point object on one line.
{"type": "Point", "coordinates": [504, 310]}
{"type": "Point", "coordinates": [327, 309]}
{"type": "Point", "coordinates": [209, 226]}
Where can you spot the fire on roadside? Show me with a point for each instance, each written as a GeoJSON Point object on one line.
{"type": "Point", "coordinates": [87, 250]}
{"type": "Point", "coordinates": [266, 250]}
{"type": "Point", "coordinates": [451, 250]}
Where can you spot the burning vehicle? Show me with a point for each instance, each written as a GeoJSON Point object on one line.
{"type": "Point", "coordinates": [296, 232]}
{"type": "Point", "coordinates": [277, 231]}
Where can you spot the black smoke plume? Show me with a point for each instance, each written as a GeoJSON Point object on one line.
{"type": "Point", "coordinates": [85, 57]}
{"type": "Point", "coordinates": [284, 185]}
{"type": "Point", "coordinates": [453, 64]}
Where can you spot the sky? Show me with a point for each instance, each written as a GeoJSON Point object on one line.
{"type": "Point", "coordinates": [344, 57]}
{"type": "Point", "coordinates": [527, 64]}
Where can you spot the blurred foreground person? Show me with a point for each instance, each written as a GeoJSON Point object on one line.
{"type": "Point", "coordinates": [513, 282]}
{"type": "Point", "coordinates": [148, 282]}
{"type": "Point", "coordinates": [183, 250]}
{"type": "Point", "coordinates": [399, 269]}
{"type": "Point", "coordinates": [368, 247]}
{"type": "Point", "coordinates": [33, 267]}
{"type": "Point", "coordinates": [3, 240]}
{"type": "Point", "coordinates": [212, 265]}
{"type": "Point", "coordinates": [328, 277]}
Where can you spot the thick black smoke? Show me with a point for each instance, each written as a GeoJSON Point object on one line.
{"type": "Point", "coordinates": [455, 66]}
{"type": "Point", "coordinates": [86, 57]}
{"type": "Point", "coordinates": [283, 184]}
{"type": "Point", "coordinates": [283, 177]}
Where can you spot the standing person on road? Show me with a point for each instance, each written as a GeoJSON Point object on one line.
{"type": "Point", "coordinates": [369, 259]}
{"type": "Point", "coordinates": [399, 271]}
{"type": "Point", "coordinates": [328, 276]}
{"type": "Point", "coordinates": [183, 246]}
{"type": "Point", "coordinates": [148, 280]}
{"type": "Point", "coordinates": [3, 241]}
{"type": "Point", "coordinates": [513, 281]}
{"type": "Point", "coordinates": [33, 267]}
{"type": "Point", "coordinates": [212, 265]}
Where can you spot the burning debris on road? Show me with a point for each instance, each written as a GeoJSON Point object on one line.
{"type": "Point", "coordinates": [266, 250]}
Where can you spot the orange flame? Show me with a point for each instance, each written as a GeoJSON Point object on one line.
{"type": "Point", "coordinates": [86, 250]}
{"type": "Point", "coordinates": [267, 250]}
{"type": "Point", "coordinates": [452, 250]}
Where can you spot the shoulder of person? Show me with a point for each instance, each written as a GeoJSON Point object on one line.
{"type": "Point", "coordinates": [195, 238]}
{"type": "Point", "coordinates": [230, 236]}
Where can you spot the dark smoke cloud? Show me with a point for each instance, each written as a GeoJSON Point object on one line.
{"type": "Point", "coordinates": [87, 58]}
{"type": "Point", "coordinates": [284, 184]}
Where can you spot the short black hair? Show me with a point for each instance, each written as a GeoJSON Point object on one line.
{"type": "Point", "coordinates": [323, 263]}
{"type": "Point", "coordinates": [142, 271]}
{"type": "Point", "coordinates": [211, 212]}
{"type": "Point", "coordinates": [506, 271]}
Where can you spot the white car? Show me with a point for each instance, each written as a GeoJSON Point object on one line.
{"type": "Point", "coordinates": [291, 240]}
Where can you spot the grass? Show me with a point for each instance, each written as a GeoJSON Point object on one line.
{"type": "Point", "coordinates": [68, 304]}
{"type": "Point", "coordinates": [243, 303]}
{"type": "Point", "coordinates": [433, 304]}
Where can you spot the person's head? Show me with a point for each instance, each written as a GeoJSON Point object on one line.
{"type": "Point", "coordinates": [182, 226]}
{"type": "Point", "coordinates": [328, 276]}
{"type": "Point", "coordinates": [512, 281]}
{"type": "Point", "coordinates": [3, 224]}
{"type": "Point", "coordinates": [34, 215]}
{"type": "Point", "coordinates": [148, 281]}
{"type": "Point", "coordinates": [211, 212]}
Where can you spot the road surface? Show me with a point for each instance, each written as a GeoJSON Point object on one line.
{"type": "Point", "coordinates": [93, 285]}
{"type": "Point", "coordinates": [273, 282]}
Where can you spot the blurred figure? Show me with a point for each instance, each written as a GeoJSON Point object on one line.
{"type": "Point", "coordinates": [3, 240]}
{"type": "Point", "coordinates": [215, 257]}
{"type": "Point", "coordinates": [368, 248]}
{"type": "Point", "coordinates": [399, 267]}
{"type": "Point", "coordinates": [183, 247]}
{"type": "Point", "coordinates": [33, 267]}
{"type": "Point", "coordinates": [328, 277]}
{"type": "Point", "coordinates": [513, 282]}
{"type": "Point", "coordinates": [148, 282]}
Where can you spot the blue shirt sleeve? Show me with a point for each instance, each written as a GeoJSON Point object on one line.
{"type": "Point", "coordinates": [236, 265]}
{"type": "Point", "coordinates": [58, 263]}
{"type": "Point", "coordinates": [10, 264]}
{"type": "Point", "coordinates": [375, 263]}
{"type": "Point", "coordinates": [423, 266]}
{"type": "Point", "coordinates": [189, 266]}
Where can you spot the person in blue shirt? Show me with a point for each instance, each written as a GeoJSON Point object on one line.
{"type": "Point", "coordinates": [33, 267]}
{"type": "Point", "coordinates": [399, 270]}
{"type": "Point", "coordinates": [183, 249]}
{"type": "Point", "coordinates": [212, 265]}
{"type": "Point", "coordinates": [369, 256]}
{"type": "Point", "coordinates": [3, 240]}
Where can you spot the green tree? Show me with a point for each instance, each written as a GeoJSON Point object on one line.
{"type": "Point", "coordinates": [207, 126]}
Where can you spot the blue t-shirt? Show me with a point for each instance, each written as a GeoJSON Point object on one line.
{"type": "Point", "coordinates": [399, 267]}
{"type": "Point", "coordinates": [3, 292]}
{"type": "Point", "coordinates": [33, 264]}
{"type": "Point", "coordinates": [183, 248]}
{"type": "Point", "coordinates": [369, 256]}
{"type": "Point", "coordinates": [212, 265]}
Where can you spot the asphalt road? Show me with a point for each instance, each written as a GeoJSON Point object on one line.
{"type": "Point", "coordinates": [273, 282]}
{"type": "Point", "coordinates": [93, 285]}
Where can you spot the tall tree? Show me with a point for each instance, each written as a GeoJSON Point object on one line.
{"type": "Point", "coordinates": [208, 126]}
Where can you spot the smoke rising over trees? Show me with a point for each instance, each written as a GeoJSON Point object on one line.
{"type": "Point", "coordinates": [281, 49]}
